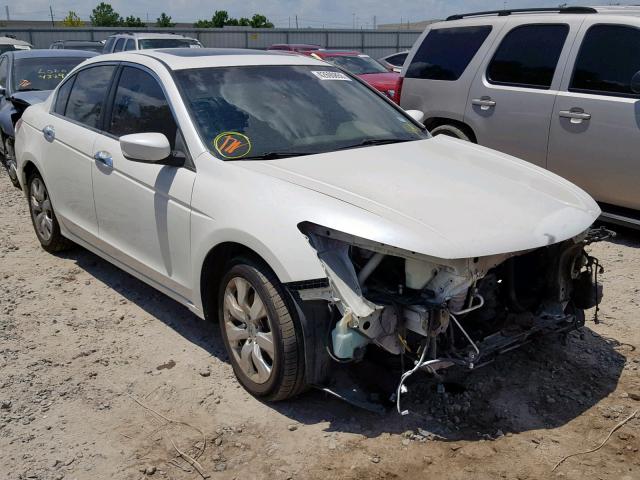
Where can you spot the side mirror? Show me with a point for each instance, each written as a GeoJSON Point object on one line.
{"type": "Point", "coordinates": [145, 147]}
{"type": "Point", "coordinates": [635, 82]}
{"type": "Point", "coordinates": [417, 115]}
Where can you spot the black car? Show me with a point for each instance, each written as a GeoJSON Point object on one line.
{"type": "Point", "coordinates": [27, 77]}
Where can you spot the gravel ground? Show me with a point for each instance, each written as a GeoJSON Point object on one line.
{"type": "Point", "coordinates": [103, 377]}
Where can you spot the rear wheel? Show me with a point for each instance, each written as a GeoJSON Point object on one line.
{"type": "Point", "coordinates": [43, 217]}
{"type": "Point", "coordinates": [260, 331]}
{"type": "Point", "coordinates": [451, 131]}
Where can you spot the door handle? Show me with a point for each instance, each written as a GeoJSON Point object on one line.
{"type": "Point", "coordinates": [485, 103]}
{"type": "Point", "coordinates": [104, 158]}
{"type": "Point", "coordinates": [576, 116]}
{"type": "Point", "coordinates": [49, 133]}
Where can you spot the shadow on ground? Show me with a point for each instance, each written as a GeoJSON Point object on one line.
{"type": "Point", "coordinates": [543, 385]}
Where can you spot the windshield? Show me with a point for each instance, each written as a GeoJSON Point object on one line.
{"type": "Point", "coordinates": [360, 65]}
{"type": "Point", "coordinates": [41, 73]}
{"type": "Point", "coordinates": [149, 43]}
{"type": "Point", "coordinates": [275, 111]}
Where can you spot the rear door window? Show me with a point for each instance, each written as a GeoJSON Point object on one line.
{"type": "Point", "coordinates": [131, 45]}
{"type": "Point", "coordinates": [445, 53]}
{"type": "Point", "coordinates": [87, 97]}
{"type": "Point", "coordinates": [609, 57]}
{"type": "Point", "coordinates": [528, 56]}
{"type": "Point", "coordinates": [119, 45]}
{"type": "Point", "coordinates": [397, 60]}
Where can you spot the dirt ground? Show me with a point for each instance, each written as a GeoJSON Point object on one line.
{"type": "Point", "coordinates": [102, 377]}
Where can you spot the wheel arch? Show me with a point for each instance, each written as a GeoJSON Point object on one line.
{"type": "Point", "coordinates": [434, 122]}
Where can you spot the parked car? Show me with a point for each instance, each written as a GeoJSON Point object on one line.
{"type": "Point", "coordinates": [363, 66]}
{"type": "Point", "coordinates": [395, 61]}
{"type": "Point", "coordinates": [315, 219]}
{"type": "Point", "coordinates": [144, 41]}
{"type": "Point", "coordinates": [556, 87]}
{"type": "Point", "coordinates": [10, 44]}
{"type": "Point", "coordinates": [294, 47]}
{"type": "Point", "coordinates": [27, 77]}
{"type": "Point", "coordinates": [78, 45]}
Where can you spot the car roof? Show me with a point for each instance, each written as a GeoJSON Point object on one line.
{"type": "Point", "coordinates": [48, 53]}
{"type": "Point", "coordinates": [79, 42]}
{"type": "Point", "coordinates": [13, 41]}
{"type": "Point", "coordinates": [184, 58]}
{"type": "Point", "coordinates": [338, 53]}
{"type": "Point", "coordinates": [295, 45]}
{"type": "Point", "coordinates": [150, 35]}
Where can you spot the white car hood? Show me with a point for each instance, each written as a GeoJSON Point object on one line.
{"type": "Point", "coordinates": [460, 200]}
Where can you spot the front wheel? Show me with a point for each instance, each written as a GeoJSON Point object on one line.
{"type": "Point", "coordinates": [260, 332]}
{"type": "Point", "coordinates": [451, 131]}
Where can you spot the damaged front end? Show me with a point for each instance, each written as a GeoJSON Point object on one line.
{"type": "Point", "coordinates": [439, 313]}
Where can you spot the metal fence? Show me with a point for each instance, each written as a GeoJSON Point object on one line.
{"type": "Point", "coordinates": [376, 43]}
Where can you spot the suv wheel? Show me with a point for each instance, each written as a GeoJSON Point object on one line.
{"type": "Point", "coordinates": [260, 331]}
{"type": "Point", "coordinates": [43, 217]}
{"type": "Point", "coordinates": [450, 131]}
{"type": "Point", "coordinates": [10, 162]}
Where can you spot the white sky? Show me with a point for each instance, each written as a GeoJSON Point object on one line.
{"type": "Point", "coordinates": [311, 13]}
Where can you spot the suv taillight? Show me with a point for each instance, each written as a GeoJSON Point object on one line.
{"type": "Point", "coordinates": [396, 97]}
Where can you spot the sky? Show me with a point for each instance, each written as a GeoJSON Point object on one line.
{"type": "Point", "coordinates": [311, 13]}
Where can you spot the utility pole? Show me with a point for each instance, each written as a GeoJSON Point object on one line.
{"type": "Point", "coordinates": [289, 23]}
{"type": "Point", "coordinates": [354, 21]}
{"type": "Point", "coordinates": [297, 21]}
{"type": "Point", "coordinates": [6, 7]}
{"type": "Point", "coordinates": [374, 22]}
{"type": "Point", "coordinates": [53, 24]}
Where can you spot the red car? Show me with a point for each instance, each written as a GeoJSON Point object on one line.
{"type": "Point", "coordinates": [364, 67]}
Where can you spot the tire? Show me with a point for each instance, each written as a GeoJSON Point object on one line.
{"type": "Point", "coordinates": [270, 370]}
{"type": "Point", "coordinates": [451, 131]}
{"type": "Point", "coordinates": [43, 218]}
{"type": "Point", "coordinates": [10, 161]}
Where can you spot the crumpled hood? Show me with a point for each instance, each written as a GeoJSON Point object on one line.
{"type": "Point", "coordinates": [31, 97]}
{"type": "Point", "coordinates": [459, 199]}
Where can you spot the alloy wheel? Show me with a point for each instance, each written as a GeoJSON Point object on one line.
{"type": "Point", "coordinates": [41, 209]}
{"type": "Point", "coordinates": [248, 330]}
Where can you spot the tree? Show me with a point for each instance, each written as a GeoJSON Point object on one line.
{"type": "Point", "coordinates": [72, 20]}
{"type": "Point", "coordinates": [244, 22]}
{"type": "Point", "coordinates": [260, 21]}
{"type": "Point", "coordinates": [132, 21]}
{"type": "Point", "coordinates": [164, 21]}
{"type": "Point", "coordinates": [220, 18]}
{"type": "Point", "coordinates": [202, 24]}
{"type": "Point", "coordinates": [105, 16]}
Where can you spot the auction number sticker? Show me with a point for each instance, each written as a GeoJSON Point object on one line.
{"type": "Point", "coordinates": [330, 75]}
{"type": "Point", "coordinates": [232, 145]}
{"type": "Point", "coordinates": [51, 74]}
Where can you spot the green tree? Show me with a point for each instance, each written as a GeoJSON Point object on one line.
{"type": "Point", "coordinates": [72, 20]}
{"type": "Point", "coordinates": [202, 24]}
{"type": "Point", "coordinates": [244, 22]}
{"type": "Point", "coordinates": [132, 21]}
{"type": "Point", "coordinates": [260, 21]}
{"type": "Point", "coordinates": [105, 16]}
{"type": "Point", "coordinates": [164, 21]}
{"type": "Point", "coordinates": [220, 18]}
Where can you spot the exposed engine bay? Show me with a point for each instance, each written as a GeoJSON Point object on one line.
{"type": "Point", "coordinates": [438, 313]}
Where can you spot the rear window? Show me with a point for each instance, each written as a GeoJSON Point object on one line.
{"type": "Point", "coordinates": [149, 43]}
{"type": "Point", "coordinates": [528, 56]}
{"type": "Point", "coordinates": [40, 73]}
{"type": "Point", "coordinates": [608, 60]}
{"type": "Point", "coordinates": [445, 53]}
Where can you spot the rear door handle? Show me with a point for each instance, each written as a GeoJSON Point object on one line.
{"type": "Point", "coordinates": [49, 133]}
{"type": "Point", "coordinates": [576, 116]}
{"type": "Point", "coordinates": [104, 158]}
{"type": "Point", "coordinates": [485, 103]}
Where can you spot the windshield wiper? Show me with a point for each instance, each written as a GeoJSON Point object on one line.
{"type": "Point", "coordinates": [275, 155]}
{"type": "Point", "coordinates": [375, 141]}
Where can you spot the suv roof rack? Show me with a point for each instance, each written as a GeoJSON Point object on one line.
{"type": "Point", "coordinates": [504, 13]}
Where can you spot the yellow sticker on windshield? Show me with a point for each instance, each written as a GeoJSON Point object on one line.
{"type": "Point", "coordinates": [232, 145]}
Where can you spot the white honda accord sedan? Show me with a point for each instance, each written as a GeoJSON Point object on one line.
{"type": "Point", "coordinates": [317, 221]}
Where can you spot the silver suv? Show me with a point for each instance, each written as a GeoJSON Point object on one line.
{"type": "Point", "coordinates": [144, 41]}
{"type": "Point", "coordinates": [557, 87]}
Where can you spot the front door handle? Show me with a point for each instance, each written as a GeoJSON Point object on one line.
{"type": "Point", "coordinates": [575, 115]}
{"type": "Point", "coordinates": [485, 103]}
{"type": "Point", "coordinates": [49, 133]}
{"type": "Point", "coordinates": [104, 158]}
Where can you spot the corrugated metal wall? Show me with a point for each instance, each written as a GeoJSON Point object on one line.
{"type": "Point", "coordinates": [376, 43]}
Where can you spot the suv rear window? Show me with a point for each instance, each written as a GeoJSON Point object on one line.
{"type": "Point", "coordinates": [445, 53]}
{"type": "Point", "coordinates": [608, 59]}
{"type": "Point", "coordinates": [528, 56]}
